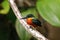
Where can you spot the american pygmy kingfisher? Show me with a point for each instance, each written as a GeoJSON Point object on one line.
{"type": "Point", "coordinates": [32, 21]}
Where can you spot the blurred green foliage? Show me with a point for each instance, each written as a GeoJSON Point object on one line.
{"type": "Point", "coordinates": [5, 7]}
{"type": "Point", "coordinates": [50, 11]}
{"type": "Point", "coordinates": [22, 33]}
{"type": "Point", "coordinates": [29, 11]}
{"type": "Point", "coordinates": [9, 25]}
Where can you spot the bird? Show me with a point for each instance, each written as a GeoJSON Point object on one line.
{"type": "Point", "coordinates": [32, 21]}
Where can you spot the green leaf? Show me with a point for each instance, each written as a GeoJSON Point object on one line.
{"type": "Point", "coordinates": [5, 6]}
{"type": "Point", "coordinates": [50, 11]}
{"type": "Point", "coordinates": [22, 33]}
{"type": "Point", "coordinates": [30, 11]}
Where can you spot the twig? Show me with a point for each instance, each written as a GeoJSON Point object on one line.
{"type": "Point", "coordinates": [34, 33]}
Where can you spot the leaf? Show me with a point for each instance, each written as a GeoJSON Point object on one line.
{"type": "Point", "coordinates": [50, 11]}
{"type": "Point", "coordinates": [22, 33]}
{"type": "Point", "coordinates": [30, 11]}
{"type": "Point", "coordinates": [5, 6]}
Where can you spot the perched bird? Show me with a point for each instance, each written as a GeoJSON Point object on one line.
{"type": "Point", "coordinates": [32, 21]}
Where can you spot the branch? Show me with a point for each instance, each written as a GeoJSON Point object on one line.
{"type": "Point", "coordinates": [34, 33]}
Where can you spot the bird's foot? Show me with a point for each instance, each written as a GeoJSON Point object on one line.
{"type": "Point", "coordinates": [31, 27]}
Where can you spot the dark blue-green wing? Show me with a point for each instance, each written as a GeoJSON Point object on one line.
{"type": "Point", "coordinates": [36, 22]}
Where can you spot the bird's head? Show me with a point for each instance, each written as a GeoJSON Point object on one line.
{"type": "Point", "coordinates": [28, 16]}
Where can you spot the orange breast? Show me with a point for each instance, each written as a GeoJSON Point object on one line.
{"type": "Point", "coordinates": [29, 21]}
